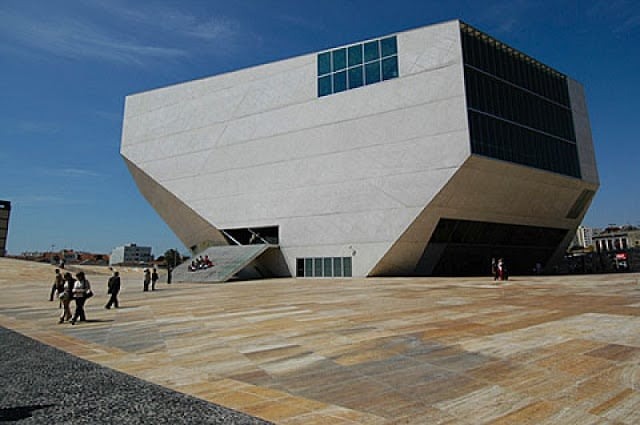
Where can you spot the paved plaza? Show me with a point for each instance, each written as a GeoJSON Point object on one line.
{"type": "Point", "coordinates": [539, 350]}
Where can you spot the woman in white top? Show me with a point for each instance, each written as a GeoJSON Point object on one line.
{"type": "Point", "coordinates": [81, 291]}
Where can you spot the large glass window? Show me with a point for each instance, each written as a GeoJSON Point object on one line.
{"type": "Point", "coordinates": [357, 65]}
{"type": "Point", "coordinates": [519, 109]}
{"type": "Point", "coordinates": [323, 267]}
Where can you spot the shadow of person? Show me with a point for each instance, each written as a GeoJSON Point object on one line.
{"type": "Point", "coordinates": [10, 414]}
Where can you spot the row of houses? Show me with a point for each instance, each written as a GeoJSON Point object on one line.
{"type": "Point", "coordinates": [610, 239]}
{"type": "Point", "coordinates": [126, 254]}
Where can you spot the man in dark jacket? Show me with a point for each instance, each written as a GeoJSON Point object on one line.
{"type": "Point", "coordinates": [113, 287]}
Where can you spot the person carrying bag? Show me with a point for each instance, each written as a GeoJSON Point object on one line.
{"type": "Point", "coordinates": [81, 292]}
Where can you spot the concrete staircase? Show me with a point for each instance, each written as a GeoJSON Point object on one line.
{"type": "Point", "coordinates": [227, 260]}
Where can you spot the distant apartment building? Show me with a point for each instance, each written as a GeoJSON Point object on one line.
{"type": "Point", "coordinates": [130, 254]}
{"type": "Point", "coordinates": [584, 236]}
{"type": "Point", "coordinates": [5, 210]}
{"type": "Point", "coordinates": [617, 239]}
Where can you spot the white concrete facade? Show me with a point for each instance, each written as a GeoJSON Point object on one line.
{"type": "Point", "coordinates": [130, 254]}
{"type": "Point", "coordinates": [349, 174]}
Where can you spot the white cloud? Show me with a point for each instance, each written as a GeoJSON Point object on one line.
{"type": "Point", "coordinates": [36, 127]}
{"type": "Point", "coordinates": [173, 21]}
{"type": "Point", "coordinates": [42, 200]}
{"type": "Point", "coordinates": [78, 172]}
{"type": "Point", "coordinates": [505, 17]}
{"type": "Point", "coordinates": [78, 38]}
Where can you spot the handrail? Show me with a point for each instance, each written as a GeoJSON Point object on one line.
{"type": "Point", "coordinates": [230, 237]}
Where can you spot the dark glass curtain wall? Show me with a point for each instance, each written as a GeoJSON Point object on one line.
{"type": "Point", "coordinates": [519, 109]}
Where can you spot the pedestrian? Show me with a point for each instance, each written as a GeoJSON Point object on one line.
{"type": "Point", "coordinates": [66, 296]}
{"type": "Point", "coordinates": [494, 268]}
{"type": "Point", "coordinates": [147, 280]}
{"type": "Point", "coordinates": [169, 270]}
{"type": "Point", "coordinates": [81, 292]}
{"type": "Point", "coordinates": [113, 288]}
{"type": "Point", "coordinates": [154, 279]}
{"type": "Point", "coordinates": [502, 270]}
{"type": "Point", "coordinates": [57, 286]}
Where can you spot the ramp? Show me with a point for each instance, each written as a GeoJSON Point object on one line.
{"type": "Point", "coordinates": [227, 260]}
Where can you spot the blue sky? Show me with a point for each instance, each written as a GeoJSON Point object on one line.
{"type": "Point", "coordinates": [66, 67]}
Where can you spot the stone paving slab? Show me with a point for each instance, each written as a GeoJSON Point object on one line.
{"type": "Point", "coordinates": [544, 350]}
{"type": "Point", "coordinates": [43, 385]}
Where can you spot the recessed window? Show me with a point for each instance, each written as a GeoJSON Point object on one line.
{"type": "Point", "coordinates": [323, 267]}
{"type": "Point", "coordinates": [357, 65]}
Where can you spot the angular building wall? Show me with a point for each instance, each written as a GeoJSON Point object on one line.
{"type": "Point", "coordinates": [343, 165]}
{"type": "Point", "coordinates": [5, 212]}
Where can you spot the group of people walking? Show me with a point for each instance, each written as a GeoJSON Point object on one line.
{"type": "Point", "coordinates": [68, 288]}
{"type": "Point", "coordinates": [78, 289]}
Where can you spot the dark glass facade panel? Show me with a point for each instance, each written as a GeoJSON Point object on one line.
{"type": "Point", "coordinates": [324, 86]}
{"type": "Point", "coordinates": [354, 66]}
{"type": "Point", "coordinates": [371, 51]}
{"type": "Point", "coordinates": [482, 52]}
{"type": "Point", "coordinates": [337, 266]}
{"type": "Point", "coordinates": [389, 68]}
{"type": "Point", "coordinates": [519, 109]}
{"type": "Point", "coordinates": [503, 140]}
{"type": "Point", "coordinates": [324, 63]}
{"type": "Point", "coordinates": [339, 81]}
{"type": "Point", "coordinates": [490, 95]}
{"type": "Point", "coordinates": [355, 55]}
{"type": "Point", "coordinates": [468, 246]}
{"type": "Point", "coordinates": [339, 59]}
{"type": "Point", "coordinates": [372, 72]}
{"type": "Point", "coordinates": [356, 77]}
{"type": "Point", "coordinates": [328, 266]}
{"type": "Point", "coordinates": [388, 46]}
{"type": "Point", "coordinates": [346, 266]}
{"type": "Point", "coordinates": [317, 267]}
{"type": "Point", "coordinates": [308, 267]}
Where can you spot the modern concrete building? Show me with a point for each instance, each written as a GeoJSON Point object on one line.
{"type": "Point", "coordinates": [5, 212]}
{"type": "Point", "coordinates": [425, 152]}
{"type": "Point", "coordinates": [130, 254]}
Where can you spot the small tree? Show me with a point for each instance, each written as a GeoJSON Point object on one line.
{"type": "Point", "coordinates": [172, 258]}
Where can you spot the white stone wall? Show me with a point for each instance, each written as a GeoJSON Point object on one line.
{"type": "Point", "coordinates": [341, 175]}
